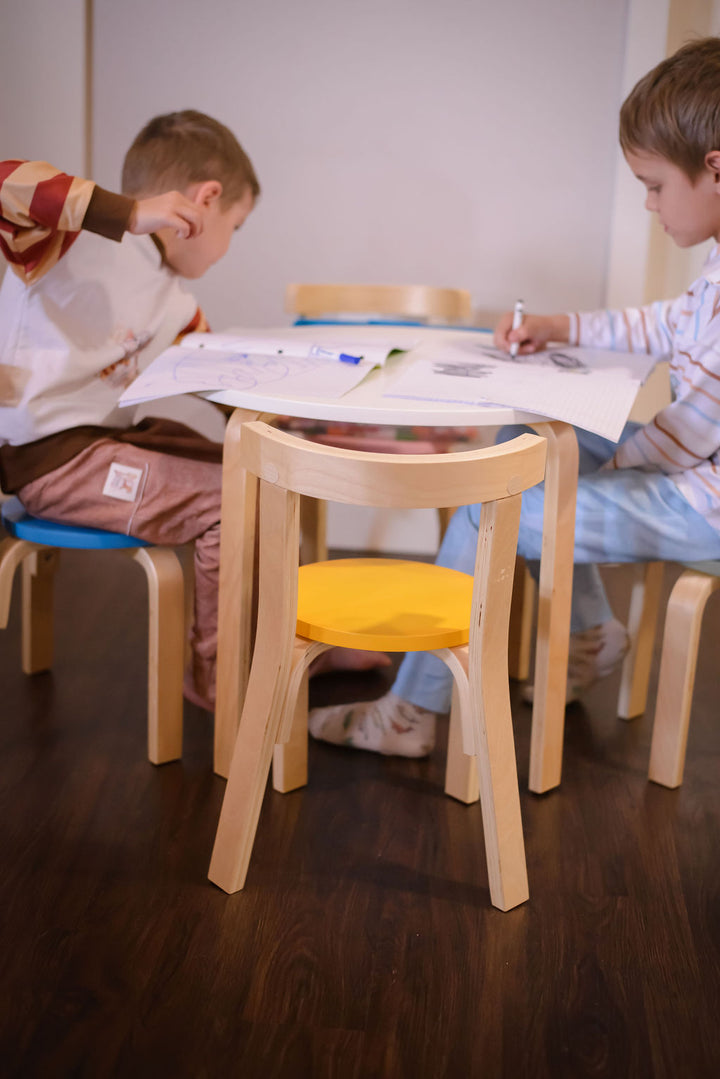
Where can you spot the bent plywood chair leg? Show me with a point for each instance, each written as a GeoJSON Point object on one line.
{"type": "Point", "coordinates": [642, 621]}
{"type": "Point", "coordinates": [553, 608]}
{"type": "Point", "coordinates": [490, 706]}
{"type": "Point", "coordinates": [522, 620]}
{"type": "Point", "coordinates": [12, 553]}
{"type": "Point", "coordinates": [166, 646]}
{"type": "Point", "coordinates": [235, 621]}
{"type": "Point", "coordinates": [461, 773]}
{"type": "Point", "coordinates": [290, 756]}
{"type": "Point", "coordinates": [38, 577]}
{"type": "Point", "coordinates": [313, 530]}
{"type": "Point", "coordinates": [445, 514]}
{"type": "Point", "coordinates": [677, 676]}
{"type": "Point", "coordinates": [256, 737]}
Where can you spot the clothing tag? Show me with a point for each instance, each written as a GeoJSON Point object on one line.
{"type": "Point", "coordinates": [122, 482]}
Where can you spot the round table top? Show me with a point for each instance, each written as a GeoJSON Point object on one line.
{"type": "Point", "coordinates": [366, 403]}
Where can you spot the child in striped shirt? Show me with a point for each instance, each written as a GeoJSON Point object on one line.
{"type": "Point", "coordinates": [94, 291]}
{"type": "Point", "coordinates": [655, 495]}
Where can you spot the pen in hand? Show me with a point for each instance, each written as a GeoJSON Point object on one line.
{"type": "Point", "coordinates": [518, 312]}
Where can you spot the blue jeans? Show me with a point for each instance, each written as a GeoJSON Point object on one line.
{"type": "Point", "coordinates": [621, 516]}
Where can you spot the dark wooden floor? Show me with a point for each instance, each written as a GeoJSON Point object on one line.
{"type": "Point", "coordinates": [364, 943]}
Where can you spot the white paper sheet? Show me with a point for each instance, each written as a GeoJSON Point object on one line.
{"type": "Point", "coordinates": [591, 388]}
{"type": "Point", "coordinates": [270, 342]}
{"type": "Point", "coordinates": [182, 369]}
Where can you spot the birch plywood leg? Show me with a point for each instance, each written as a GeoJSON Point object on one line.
{"type": "Point", "coordinates": [642, 621]}
{"type": "Point", "coordinates": [677, 676]}
{"type": "Point", "coordinates": [267, 692]}
{"type": "Point", "coordinates": [13, 553]}
{"type": "Point", "coordinates": [522, 620]}
{"type": "Point", "coordinates": [237, 548]}
{"type": "Point", "coordinates": [166, 649]}
{"type": "Point", "coordinates": [290, 759]}
{"type": "Point", "coordinates": [290, 756]}
{"type": "Point", "coordinates": [461, 773]}
{"type": "Point", "coordinates": [554, 597]}
{"type": "Point", "coordinates": [38, 581]}
{"type": "Point", "coordinates": [313, 530]}
{"type": "Point", "coordinates": [247, 778]}
{"type": "Point", "coordinates": [490, 705]}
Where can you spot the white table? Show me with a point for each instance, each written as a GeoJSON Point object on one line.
{"type": "Point", "coordinates": [366, 404]}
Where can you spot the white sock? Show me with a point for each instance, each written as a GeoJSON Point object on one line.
{"type": "Point", "coordinates": [389, 725]}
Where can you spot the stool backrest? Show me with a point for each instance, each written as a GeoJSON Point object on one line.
{"type": "Point", "coordinates": [380, 479]}
{"type": "Point", "coordinates": [420, 302]}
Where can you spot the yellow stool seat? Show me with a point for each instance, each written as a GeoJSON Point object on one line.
{"type": "Point", "coordinates": [384, 604]}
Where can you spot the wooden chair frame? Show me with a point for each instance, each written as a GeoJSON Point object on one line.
{"type": "Point", "coordinates": [166, 622]}
{"type": "Point", "coordinates": [422, 302]}
{"type": "Point", "coordinates": [275, 709]}
{"type": "Point", "coordinates": [678, 661]}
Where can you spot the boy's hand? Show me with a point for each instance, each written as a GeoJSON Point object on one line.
{"type": "Point", "coordinates": [533, 333]}
{"type": "Point", "coordinates": [171, 210]}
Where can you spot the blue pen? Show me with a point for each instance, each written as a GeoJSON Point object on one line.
{"type": "Point", "coordinates": [345, 358]}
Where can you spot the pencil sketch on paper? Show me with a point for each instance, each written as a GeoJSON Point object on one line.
{"type": "Point", "coordinates": [565, 361]}
{"type": "Point", "coordinates": [183, 369]}
{"type": "Point", "coordinates": [239, 372]}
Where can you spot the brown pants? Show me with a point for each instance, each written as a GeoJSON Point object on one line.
{"type": "Point", "coordinates": [177, 501]}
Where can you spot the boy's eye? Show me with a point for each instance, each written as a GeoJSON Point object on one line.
{"type": "Point", "coordinates": [655, 190]}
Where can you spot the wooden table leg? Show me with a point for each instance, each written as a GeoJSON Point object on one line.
{"type": "Point", "coordinates": [554, 597]}
{"type": "Point", "coordinates": [237, 548]}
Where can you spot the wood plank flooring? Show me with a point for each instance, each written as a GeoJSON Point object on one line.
{"type": "Point", "coordinates": [364, 944]}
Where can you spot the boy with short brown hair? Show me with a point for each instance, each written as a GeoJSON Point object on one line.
{"type": "Point", "coordinates": [81, 316]}
{"type": "Point", "coordinates": [656, 495]}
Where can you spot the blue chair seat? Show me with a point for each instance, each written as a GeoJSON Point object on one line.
{"type": "Point", "coordinates": [22, 525]}
{"type": "Point", "coordinates": [33, 543]}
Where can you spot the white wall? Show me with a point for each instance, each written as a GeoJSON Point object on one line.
{"type": "Point", "coordinates": [465, 142]}
{"type": "Point", "coordinates": [42, 81]}
{"type": "Point", "coordinates": [460, 143]}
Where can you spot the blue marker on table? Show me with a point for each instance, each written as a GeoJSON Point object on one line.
{"type": "Point", "coordinates": [345, 358]}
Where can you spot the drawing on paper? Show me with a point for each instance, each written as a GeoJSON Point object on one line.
{"type": "Point", "coordinates": [566, 361]}
{"type": "Point", "coordinates": [242, 372]}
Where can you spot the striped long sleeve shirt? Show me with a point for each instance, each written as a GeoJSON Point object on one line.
{"type": "Point", "coordinates": [43, 210]}
{"type": "Point", "coordinates": [79, 316]}
{"type": "Point", "coordinates": [683, 439]}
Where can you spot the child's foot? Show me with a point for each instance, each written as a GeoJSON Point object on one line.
{"type": "Point", "coordinates": [389, 725]}
{"type": "Point", "coordinates": [348, 659]}
{"type": "Point", "coordinates": [594, 653]}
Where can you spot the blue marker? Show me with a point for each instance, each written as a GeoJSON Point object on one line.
{"type": "Point", "coordinates": [345, 358]}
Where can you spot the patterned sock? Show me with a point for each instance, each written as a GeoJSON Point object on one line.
{"type": "Point", "coordinates": [389, 725]}
{"type": "Point", "coordinates": [594, 653]}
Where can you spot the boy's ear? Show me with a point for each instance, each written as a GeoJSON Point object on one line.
{"type": "Point", "coordinates": [712, 162]}
{"type": "Point", "coordinates": [206, 192]}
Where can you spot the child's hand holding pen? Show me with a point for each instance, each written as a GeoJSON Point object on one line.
{"type": "Point", "coordinates": [519, 333]}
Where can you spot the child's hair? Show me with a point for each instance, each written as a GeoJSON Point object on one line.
{"type": "Point", "coordinates": [674, 111]}
{"type": "Point", "coordinates": [183, 148]}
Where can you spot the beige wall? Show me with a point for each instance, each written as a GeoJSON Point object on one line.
{"type": "Point", "coordinates": [42, 81]}
{"type": "Point", "coordinates": [468, 143]}
{"type": "Point", "coordinates": [456, 143]}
